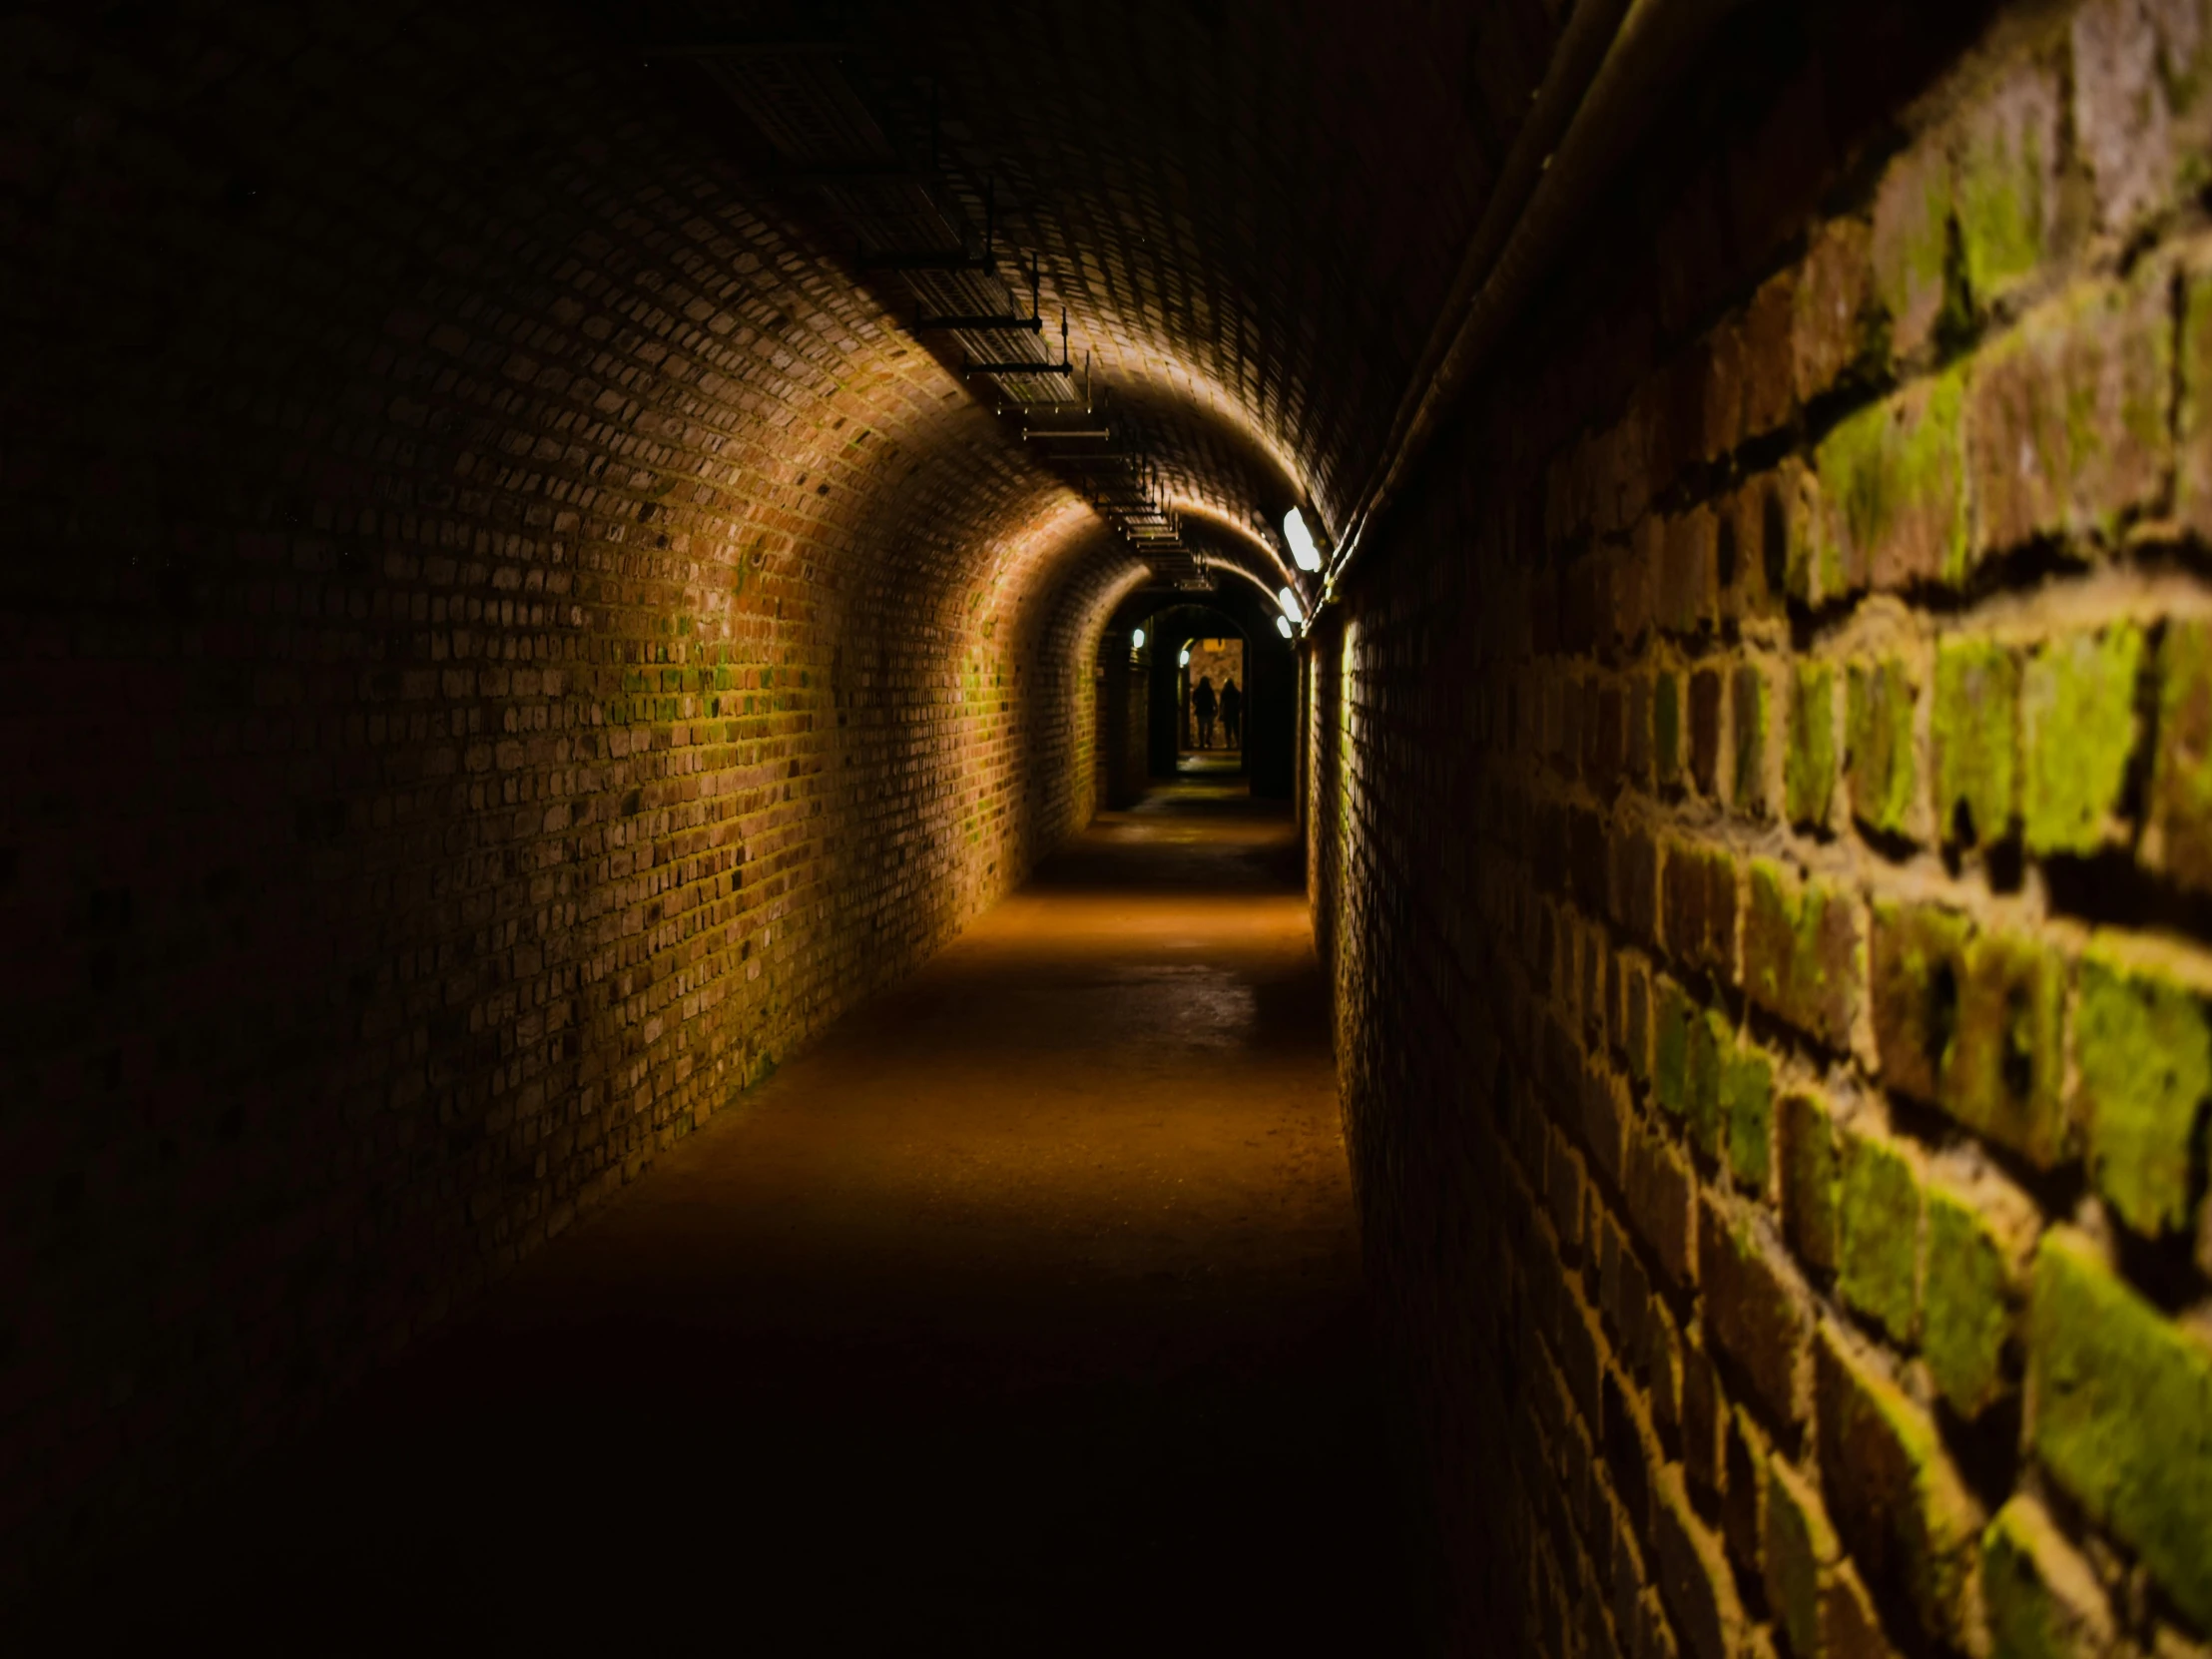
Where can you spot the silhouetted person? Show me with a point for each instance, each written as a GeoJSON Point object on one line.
{"type": "Point", "coordinates": [1232, 715]}
{"type": "Point", "coordinates": [1202, 705]}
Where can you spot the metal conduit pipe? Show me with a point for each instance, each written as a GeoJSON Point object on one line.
{"type": "Point", "coordinates": [1650, 44]}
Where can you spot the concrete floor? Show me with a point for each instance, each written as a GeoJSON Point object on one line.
{"type": "Point", "coordinates": [1022, 1316]}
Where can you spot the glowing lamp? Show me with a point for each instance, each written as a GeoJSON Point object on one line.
{"type": "Point", "coordinates": [1288, 601]}
{"type": "Point", "coordinates": [1301, 540]}
{"type": "Point", "coordinates": [1185, 659]}
{"type": "Point", "coordinates": [1136, 640]}
{"type": "Point", "coordinates": [1283, 626]}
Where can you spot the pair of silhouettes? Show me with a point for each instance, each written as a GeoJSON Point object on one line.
{"type": "Point", "coordinates": [1231, 707]}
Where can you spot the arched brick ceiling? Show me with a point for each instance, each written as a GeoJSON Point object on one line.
{"type": "Point", "coordinates": [1253, 207]}
{"type": "Point", "coordinates": [1251, 210]}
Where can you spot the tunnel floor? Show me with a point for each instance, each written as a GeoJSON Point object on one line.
{"type": "Point", "coordinates": [1021, 1315]}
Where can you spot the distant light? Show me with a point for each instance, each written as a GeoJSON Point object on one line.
{"type": "Point", "coordinates": [1288, 601]}
{"type": "Point", "coordinates": [1283, 626]}
{"type": "Point", "coordinates": [1136, 640]}
{"type": "Point", "coordinates": [1301, 540]}
{"type": "Point", "coordinates": [1185, 659]}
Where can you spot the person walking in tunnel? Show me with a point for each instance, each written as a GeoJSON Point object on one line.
{"type": "Point", "coordinates": [1202, 705]}
{"type": "Point", "coordinates": [1232, 715]}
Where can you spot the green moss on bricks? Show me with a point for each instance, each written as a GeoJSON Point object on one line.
{"type": "Point", "coordinates": [1893, 480]}
{"type": "Point", "coordinates": [1911, 245]}
{"type": "Point", "coordinates": [1906, 1518]}
{"type": "Point", "coordinates": [1877, 1233]}
{"type": "Point", "coordinates": [1975, 724]}
{"type": "Point", "coordinates": [1971, 1022]}
{"type": "Point", "coordinates": [2144, 1052]}
{"type": "Point", "coordinates": [1747, 1091]}
{"type": "Point", "coordinates": [2122, 1416]}
{"type": "Point", "coordinates": [1965, 1316]}
{"type": "Point", "coordinates": [1709, 1047]}
{"type": "Point", "coordinates": [1800, 1548]}
{"type": "Point", "coordinates": [1801, 948]}
{"type": "Point", "coordinates": [1666, 728]}
{"type": "Point", "coordinates": [1879, 744]}
{"type": "Point", "coordinates": [2077, 706]}
{"type": "Point", "coordinates": [2181, 773]}
{"type": "Point", "coordinates": [1670, 1047]}
{"type": "Point", "coordinates": [1809, 764]}
{"type": "Point", "coordinates": [2043, 1598]}
{"type": "Point", "coordinates": [1809, 1180]}
{"type": "Point", "coordinates": [2003, 172]}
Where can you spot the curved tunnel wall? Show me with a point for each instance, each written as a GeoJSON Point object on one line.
{"type": "Point", "coordinates": [1757, 792]}
{"type": "Point", "coordinates": [502, 649]}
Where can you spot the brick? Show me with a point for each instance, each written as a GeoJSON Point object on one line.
{"type": "Point", "coordinates": [1636, 883]}
{"type": "Point", "coordinates": [1563, 1190]}
{"type": "Point", "coordinates": [1666, 730]}
{"type": "Point", "coordinates": [1972, 1021]}
{"type": "Point", "coordinates": [1625, 1457]}
{"type": "Point", "coordinates": [1965, 1304]}
{"type": "Point", "coordinates": [1706, 689]}
{"type": "Point", "coordinates": [1658, 1193]}
{"type": "Point", "coordinates": [1810, 1180]}
{"type": "Point", "coordinates": [1892, 492]}
{"type": "Point", "coordinates": [1755, 1315]}
{"type": "Point", "coordinates": [1850, 1628]}
{"type": "Point", "coordinates": [1769, 359]}
{"type": "Point", "coordinates": [1709, 1048]}
{"type": "Point", "coordinates": [1752, 720]}
{"type": "Point", "coordinates": [1694, 1580]}
{"type": "Point", "coordinates": [1720, 400]}
{"type": "Point", "coordinates": [1747, 1108]}
{"type": "Point", "coordinates": [1605, 743]}
{"type": "Point", "coordinates": [1698, 899]}
{"type": "Point", "coordinates": [2041, 1597]}
{"type": "Point", "coordinates": [1702, 1412]}
{"type": "Point", "coordinates": [1637, 755]}
{"type": "Point", "coordinates": [1974, 742]}
{"type": "Point", "coordinates": [1801, 953]}
{"type": "Point", "coordinates": [2129, 57]}
{"type": "Point", "coordinates": [2193, 414]}
{"type": "Point", "coordinates": [2078, 729]}
{"type": "Point", "coordinates": [2067, 416]}
{"type": "Point", "coordinates": [1835, 332]}
{"type": "Point", "coordinates": [1672, 1013]}
{"type": "Point", "coordinates": [1911, 242]}
{"type": "Point", "coordinates": [1900, 1507]}
{"type": "Point", "coordinates": [1878, 1232]}
{"type": "Point", "coordinates": [2006, 195]}
{"type": "Point", "coordinates": [1687, 588]}
{"type": "Point", "coordinates": [1809, 764]}
{"type": "Point", "coordinates": [2143, 1053]}
{"type": "Point", "coordinates": [1799, 1558]}
{"type": "Point", "coordinates": [1878, 745]}
{"type": "Point", "coordinates": [2121, 1414]}
{"type": "Point", "coordinates": [1636, 1020]}
{"type": "Point", "coordinates": [2180, 838]}
{"type": "Point", "coordinates": [1743, 1493]}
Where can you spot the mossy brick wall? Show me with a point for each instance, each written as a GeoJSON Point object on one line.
{"type": "Point", "coordinates": [501, 644]}
{"type": "Point", "coordinates": [1760, 793]}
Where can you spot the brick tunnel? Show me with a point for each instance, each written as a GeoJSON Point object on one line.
{"type": "Point", "coordinates": [635, 1013]}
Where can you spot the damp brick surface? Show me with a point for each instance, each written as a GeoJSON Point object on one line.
{"type": "Point", "coordinates": [1780, 1122]}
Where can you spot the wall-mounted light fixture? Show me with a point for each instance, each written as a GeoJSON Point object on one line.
{"type": "Point", "coordinates": [1136, 639]}
{"type": "Point", "coordinates": [1283, 626]}
{"type": "Point", "coordinates": [1184, 661]}
{"type": "Point", "coordinates": [1301, 540]}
